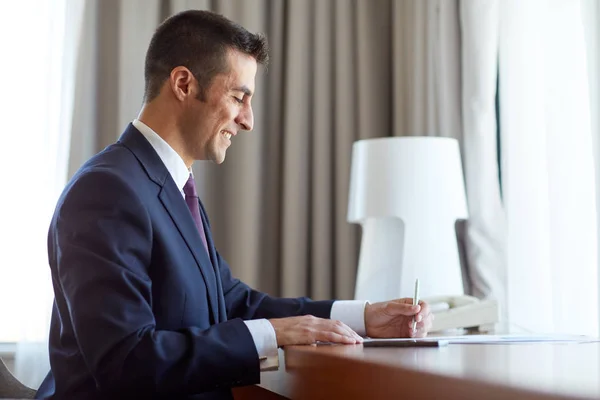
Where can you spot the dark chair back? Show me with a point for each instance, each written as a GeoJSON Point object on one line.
{"type": "Point", "coordinates": [11, 388]}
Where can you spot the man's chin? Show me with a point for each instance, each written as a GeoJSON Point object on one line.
{"type": "Point", "coordinates": [218, 159]}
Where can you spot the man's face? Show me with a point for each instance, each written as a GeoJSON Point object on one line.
{"type": "Point", "coordinates": [209, 125]}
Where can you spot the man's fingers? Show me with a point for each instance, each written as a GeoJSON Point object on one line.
{"type": "Point", "coordinates": [326, 327]}
{"type": "Point", "coordinates": [338, 332]}
{"type": "Point", "coordinates": [399, 308]}
{"type": "Point", "coordinates": [309, 329]}
{"type": "Point", "coordinates": [421, 332]}
{"type": "Point", "coordinates": [424, 308]}
{"type": "Point", "coordinates": [422, 320]}
{"type": "Point", "coordinates": [334, 337]}
{"type": "Point", "coordinates": [424, 312]}
{"type": "Point", "coordinates": [405, 307]}
{"type": "Point", "coordinates": [422, 328]}
{"type": "Point", "coordinates": [343, 329]}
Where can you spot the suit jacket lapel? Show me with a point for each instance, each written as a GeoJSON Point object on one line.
{"type": "Point", "coordinates": [175, 205]}
{"type": "Point", "coordinates": [215, 262]}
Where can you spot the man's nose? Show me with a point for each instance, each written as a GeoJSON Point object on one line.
{"type": "Point", "coordinates": [246, 118]}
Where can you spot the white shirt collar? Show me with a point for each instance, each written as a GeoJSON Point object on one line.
{"type": "Point", "coordinates": [174, 163]}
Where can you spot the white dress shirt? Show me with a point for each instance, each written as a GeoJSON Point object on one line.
{"type": "Point", "coordinates": [351, 312]}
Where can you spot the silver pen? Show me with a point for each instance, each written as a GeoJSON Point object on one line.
{"type": "Point", "coordinates": [415, 302]}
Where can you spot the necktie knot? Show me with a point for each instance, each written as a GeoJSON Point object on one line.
{"type": "Point", "coordinates": [189, 189]}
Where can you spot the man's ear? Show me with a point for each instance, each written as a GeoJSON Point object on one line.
{"type": "Point", "coordinates": [181, 82]}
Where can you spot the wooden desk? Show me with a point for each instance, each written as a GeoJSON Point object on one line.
{"type": "Point", "coordinates": [274, 385]}
{"type": "Point", "coordinates": [512, 371]}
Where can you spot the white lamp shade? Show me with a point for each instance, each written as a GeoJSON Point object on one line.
{"type": "Point", "coordinates": [407, 193]}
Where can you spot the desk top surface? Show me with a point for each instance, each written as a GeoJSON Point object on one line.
{"type": "Point", "coordinates": [569, 370]}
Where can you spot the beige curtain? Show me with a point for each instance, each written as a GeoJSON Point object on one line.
{"type": "Point", "coordinates": [340, 70]}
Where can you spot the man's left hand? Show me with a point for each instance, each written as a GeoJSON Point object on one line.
{"type": "Point", "coordinates": [394, 318]}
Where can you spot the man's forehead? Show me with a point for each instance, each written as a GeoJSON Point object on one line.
{"type": "Point", "coordinates": [240, 74]}
{"type": "Point", "coordinates": [243, 64]}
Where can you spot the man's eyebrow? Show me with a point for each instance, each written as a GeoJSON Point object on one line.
{"type": "Point", "coordinates": [244, 89]}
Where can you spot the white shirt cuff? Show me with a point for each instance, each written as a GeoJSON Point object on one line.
{"type": "Point", "coordinates": [352, 313]}
{"type": "Point", "coordinates": [265, 341]}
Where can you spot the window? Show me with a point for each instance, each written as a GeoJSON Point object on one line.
{"type": "Point", "coordinates": [38, 41]}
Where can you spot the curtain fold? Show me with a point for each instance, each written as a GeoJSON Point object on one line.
{"type": "Point", "coordinates": [321, 174]}
{"type": "Point", "coordinates": [486, 228]}
{"type": "Point", "coordinates": [296, 151]}
{"type": "Point", "coordinates": [426, 76]}
{"type": "Point", "coordinates": [345, 239]}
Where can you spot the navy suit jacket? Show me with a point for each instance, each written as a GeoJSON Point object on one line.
{"type": "Point", "coordinates": [141, 309]}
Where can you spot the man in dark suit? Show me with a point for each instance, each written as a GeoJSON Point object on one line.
{"type": "Point", "coordinates": [144, 304]}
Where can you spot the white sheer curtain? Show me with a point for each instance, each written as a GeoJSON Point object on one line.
{"type": "Point", "coordinates": [547, 166]}
{"type": "Point", "coordinates": [39, 40]}
{"type": "Point", "coordinates": [591, 21]}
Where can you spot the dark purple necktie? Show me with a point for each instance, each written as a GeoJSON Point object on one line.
{"type": "Point", "coordinates": [192, 201]}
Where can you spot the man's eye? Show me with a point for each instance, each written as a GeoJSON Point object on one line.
{"type": "Point", "coordinates": [238, 100]}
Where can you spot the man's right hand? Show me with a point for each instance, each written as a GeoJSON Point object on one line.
{"type": "Point", "coordinates": [308, 329]}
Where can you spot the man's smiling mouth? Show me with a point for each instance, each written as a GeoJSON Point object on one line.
{"type": "Point", "coordinates": [227, 135]}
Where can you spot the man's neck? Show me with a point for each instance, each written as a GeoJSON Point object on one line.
{"type": "Point", "coordinates": [166, 128]}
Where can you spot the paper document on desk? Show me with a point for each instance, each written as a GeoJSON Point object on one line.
{"type": "Point", "coordinates": [506, 339]}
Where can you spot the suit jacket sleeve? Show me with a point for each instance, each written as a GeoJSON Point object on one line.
{"type": "Point", "coordinates": [102, 240]}
{"type": "Point", "coordinates": [244, 302]}
{"type": "Point", "coordinates": [247, 303]}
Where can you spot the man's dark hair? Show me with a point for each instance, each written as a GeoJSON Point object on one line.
{"type": "Point", "coordinates": [199, 41]}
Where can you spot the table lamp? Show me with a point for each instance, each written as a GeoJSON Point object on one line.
{"type": "Point", "coordinates": [407, 194]}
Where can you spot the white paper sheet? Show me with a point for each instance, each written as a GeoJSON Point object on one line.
{"type": "Point", "coordinates": [503, 339]}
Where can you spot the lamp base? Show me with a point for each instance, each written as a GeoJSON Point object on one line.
{"type": "Point", "coordinates": [379, 265]}
{"type": "Point", "coordinates": [393, 255]}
